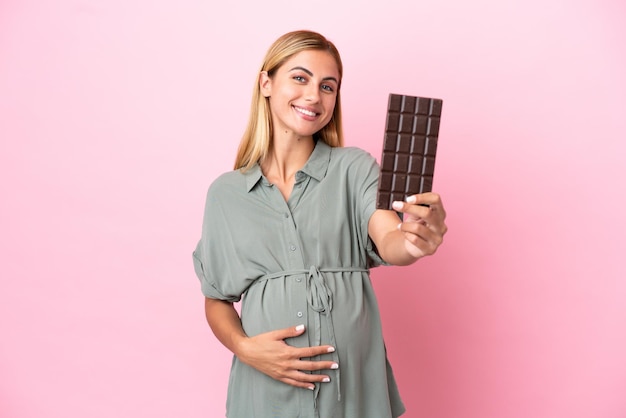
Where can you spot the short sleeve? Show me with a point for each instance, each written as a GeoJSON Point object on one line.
{"type": "Point", "coordinates": [365, 178]}
{"type": "Point", "coordinates": [209, 287]}
{"type": "Point", "coordinates": [219, 269]}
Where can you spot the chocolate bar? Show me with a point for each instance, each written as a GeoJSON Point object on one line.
{"type": "Point", "coordinates": [408, 157]}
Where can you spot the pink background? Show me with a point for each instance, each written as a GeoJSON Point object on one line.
{"type": "Point", "coordinates": [116, 115]}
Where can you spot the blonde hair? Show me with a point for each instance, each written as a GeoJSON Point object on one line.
{"type": "Point", "coordinates": [256, 140]}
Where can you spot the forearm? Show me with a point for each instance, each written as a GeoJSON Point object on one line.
{"type": "Point", "coordinates": [390, 241]}
{"type": "Point", "coordinates": [225, 323]}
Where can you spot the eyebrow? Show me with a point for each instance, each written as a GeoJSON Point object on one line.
{"type": "Point", "coordinates": [311, 74]}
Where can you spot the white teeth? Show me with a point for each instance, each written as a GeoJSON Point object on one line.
{"type": "Point", "coordinates": [304, 111]}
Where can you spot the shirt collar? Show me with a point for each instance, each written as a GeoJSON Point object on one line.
{"type": "Point", "coordinates": [315, 167]}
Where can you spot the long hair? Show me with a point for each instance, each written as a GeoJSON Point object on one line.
{"type": "Point", "coordinates": [255, 143]}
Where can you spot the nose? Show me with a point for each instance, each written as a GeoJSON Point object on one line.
{"type": "Point", "coordinates": [312, 92]}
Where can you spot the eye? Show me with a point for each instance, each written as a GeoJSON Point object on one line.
{"type": "Point", "coordinates": [328, 88]}
{"type": "Point", "coordinates": [299, 78]}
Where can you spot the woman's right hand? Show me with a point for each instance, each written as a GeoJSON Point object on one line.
{"type": "Point", "coordinates": [271, 355]}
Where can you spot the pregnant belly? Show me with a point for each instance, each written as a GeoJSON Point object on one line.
{"type": "Point", "coordinates": [349, 320]}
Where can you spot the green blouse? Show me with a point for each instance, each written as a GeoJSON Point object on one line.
{"type": "Point", "coordinates": [302, 261]}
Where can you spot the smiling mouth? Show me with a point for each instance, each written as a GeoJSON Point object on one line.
{"type": "Point", "coordinates": [305, 112]}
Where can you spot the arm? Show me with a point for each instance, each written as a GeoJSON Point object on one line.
{"type": "Point", "coordinates": [420, 234]}
{"type": "Point", "coordinates": [267, 352]}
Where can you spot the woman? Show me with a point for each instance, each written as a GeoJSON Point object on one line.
{"type": "Point", "coordinates": [294, 230]}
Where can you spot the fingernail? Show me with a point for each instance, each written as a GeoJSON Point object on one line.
{"type": "Point", "coordinates": [411, 199]}
{"type": "Point", "coordinates": [326, 380]}
{"type": "Point", "coordinates": [300, 327]}
{"type": "Point", "coordinates": [331, 349]}
{"type": "Point", "coordinates": [397, 205]}
{"type": "Point", "coordinates": [334, 366]}
{"type": "Point", "coordinates": [311, 388]}
{"type": "Point", "coordinates": [400, 225]}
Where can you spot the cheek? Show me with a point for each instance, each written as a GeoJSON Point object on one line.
{"type": "Point", "coordinates": [329, 105]}
{"type": "Point", "coordinates": [288, 91]}
{"type": "Point", "coordinates": [280, 100]}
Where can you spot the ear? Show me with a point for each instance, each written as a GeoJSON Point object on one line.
{"type": "Point", "coordinates": [265, 84]}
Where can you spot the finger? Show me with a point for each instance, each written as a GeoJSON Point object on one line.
{"type": "Point", "coordinates": [298, 384]}
{"type": "Point", "coordinates": [433, 215]}
{"type": "Point", "coordinates": [300, 376]}
{"type": "Point", "coordinates": [415, 232]}
{"type": "Point", "coordinates": [317, 365]}
{"type": "Point", "coordinates": [305, 352]}
{"type": "Point", "coordinates": [435, 220]}
{"type": "Point", "coordinates": [425, 229]}
{"type": "Point", "coordinates": [423, 238]}
{"type": "Point", "coordinates": [428, 198]}
{"type": "Point", "coordinates": [282, 334]}
{"type": "Point", "coordinates": [414, 210]}
{"type": "Point", "coordinates": [306, 381]}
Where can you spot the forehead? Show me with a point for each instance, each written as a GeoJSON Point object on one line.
{"type": "Point", "coordinates": [320, 63]}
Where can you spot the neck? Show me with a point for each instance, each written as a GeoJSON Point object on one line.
{"type": "Point", "coordinates": [284, 161]}
{"type": "Point", "coordinates": [286, 158]}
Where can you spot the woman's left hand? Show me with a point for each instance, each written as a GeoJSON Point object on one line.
{"type": "Point", "coordinates": [423, 223]}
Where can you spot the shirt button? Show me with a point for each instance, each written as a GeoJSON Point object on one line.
{"type": "Point", "coordinates": [300, 314]}
{"type": "Point", "coordinates": [292, 247]}
{"type": "Point", "coordinates": [286, 215]}
{"type": "Point", "coordinates": [298, 279]}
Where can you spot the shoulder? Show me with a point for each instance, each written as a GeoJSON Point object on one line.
{"type": "Point", "coordinates": [227, 184]}
{"type": "Point", "coordinates": [357, 166]}
{"type": "Point", "coordinates": [229, 179]}
{"type": "Point", "coordinates": [353, 159]}
{"type": "Point", "coordinates": [351, 155]}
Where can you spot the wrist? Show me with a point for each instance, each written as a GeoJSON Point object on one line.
{"type": "Point", "coordinates": [238, 344]}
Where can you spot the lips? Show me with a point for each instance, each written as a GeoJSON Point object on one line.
{"type": "Point", "coordinates": [305, 112]}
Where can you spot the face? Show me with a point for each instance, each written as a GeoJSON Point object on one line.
{"type": "Point", "coordinates": [302, 93]}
